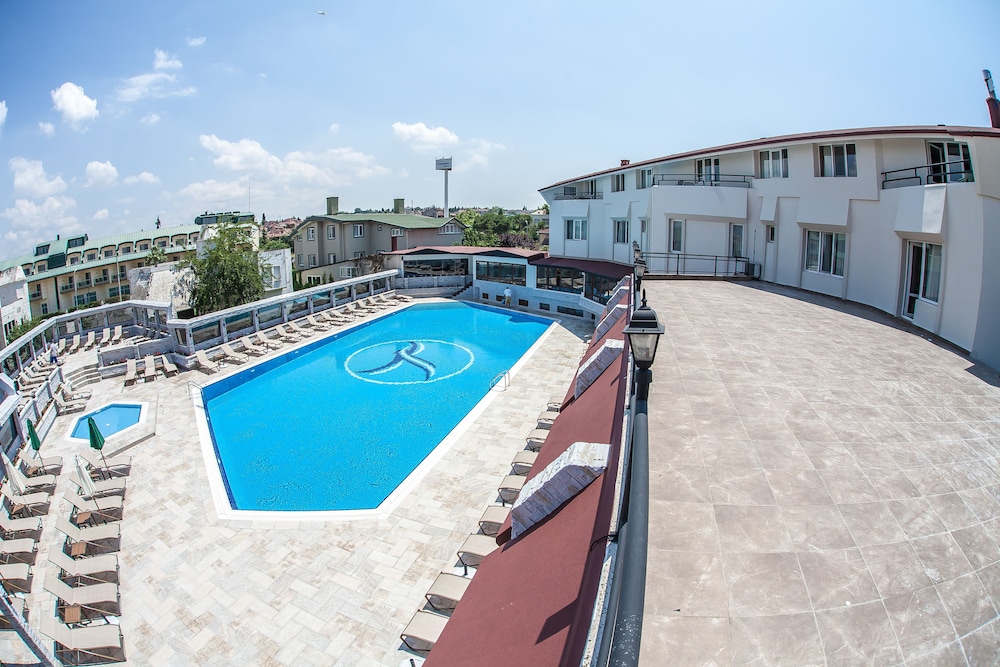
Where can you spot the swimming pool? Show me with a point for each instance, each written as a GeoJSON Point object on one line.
{"type": "Point", "coordinates": [110, 420]}
{"type": "Point", "coordinates": [338, 424]}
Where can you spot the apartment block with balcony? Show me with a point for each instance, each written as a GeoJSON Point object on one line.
{"type": "Point", "coordinates": [328, 247]}
{"type": "Point", "coordinates": [77, 271]}
{"type": "Point", "coordinates": [903, 219]}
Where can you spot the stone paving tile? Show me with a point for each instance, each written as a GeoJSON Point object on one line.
{"type": "Point", "coordinates": [199, 590]}
{"type": "Point", "coordinates": [825, 486]}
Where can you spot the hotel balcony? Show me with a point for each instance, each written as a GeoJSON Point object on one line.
{"type": "Point", "coordinates": [65, 288]}
{"type": "Point", "coordinates": [723, 180]}
{"type": "Point", "coordinates": [957, 171]}
{"type": "Point", "coordinates": [100, 280]}
{"type": "Point", "coordinates": [34, 296]}
{"type": "Point", "coordinates": [574, 193]}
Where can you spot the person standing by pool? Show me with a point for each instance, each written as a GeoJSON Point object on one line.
{"type": "Point", "coordinates": [507, 296]}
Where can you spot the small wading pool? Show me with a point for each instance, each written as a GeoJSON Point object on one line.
{"type": "Point", "coordinates": [110, 419]}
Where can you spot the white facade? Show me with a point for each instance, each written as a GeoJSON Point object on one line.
{"type": "Point", "coordinates": [278, 265]}
{"type": "Point", "coordinates": [903, 219]}
{"type": "Point", "coordinates": [14, 305]}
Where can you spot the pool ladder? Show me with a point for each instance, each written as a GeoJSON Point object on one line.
{"type": "Point", "coordinates": [503, 375]}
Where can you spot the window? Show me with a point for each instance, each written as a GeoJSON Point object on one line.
{"type": "Point", "coordinates": [617, 182]}
{"type": "Point", "coordinates": [359, 231]}
{"type": "Point", "coordinates": [42, 250]}
{"type": "Point", "coordinates": [736, 238]}
{"type": "Point", "coordinates": [161, 244]}
{"type": "Point", "coordinates": [314, 280]}
{"type": "Point", "coordinates": [576, 229]}
{"type": "Point", "coordinates": [450, 228]}
{"type": "Point", "coordinates": [676, 236]}
{"type": "Point", "coordinates": [838, 160]}
{"type": "Point", "coordinates": [300, 260]}
{"type": "Point", "coordinates": [109, 253]}
{"type": "Point", "coordinates": [358, 254]}
{"type": "Point", "coordinates": [949, 162]}
{"type": "Point", "coordinates": [331, 232]}
{"type": "Point", "coordinates": [566, 310]}
{"type": "Point", "coordinates": [41, 267]}
{"type": "Point", "coordinates": [826, 252]}
{"type": "Point", "coordinates": [126, 290]}
{"type": "Point", "coordinates": [77, 242]}
{"type": "Point", "coordinates": [643, 179]}
{"type": "Point", "coordinates": [395, 231]}
{"type": "Point", "coordinates": [74, 260]}
{"type": "Point", "coordinates": [707, 169]}
{"type": "Point", "coordinates": [143, 246]}
{"type": "Point", "coordinates": [771, 234]}
{"type": "Point", "coordinates": [590, 188]}
{"type": "Point", "coordinates": [621, 231]}
{"type": "Point", "coordinates": [924, 280]}
{"type": "Point", "coordinates": [45, 308]}
{"type": "Point", "coordinates": [331, 258]}
{"type": "Point", "coordinates": [127, 250]}
{"type": "Point", "coordinates": [91, 256]}
{"type": "Point", "coordinates": [502, 272]}
{"type": "Point", "coordinates": [312, 260]}
{"type": "Point", "coordinates": [347, 272]}
{"type": "Point", "coordinates": [298, 238]}
{"type": "Point", "coordinates": [311, 234]}
{"type": "Point", "coordinates": [773, 164]}
{"type": "Point", "coordinates": [435, 267]}
{"type": "Point", "coordinates": [559, 279]}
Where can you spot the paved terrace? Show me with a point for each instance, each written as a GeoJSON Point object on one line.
{"type": "Point", "coordinates": [197, 590]}
{"type": "Point", "coordinates": [825, 487]}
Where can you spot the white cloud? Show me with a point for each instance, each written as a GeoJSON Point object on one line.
{"type": "Point", "coordinates": [244, 155]}
{"type": "Point", "coordinates": [100, 215]}
{"type": "Point", "coordinates": [334, 128]}
{"type": "Point", "coordinates": [101, 174]}
{"type": "Point", "coordinates": [47, 129]}
{"type": "Point", "coordinates": [30, 178]}
{"type": "Point", "coordinates": [152, 84]}
{"type": "Point", "coordinates": [164, 60]}
{"type": "Point", "coordinates": [476, 153]}
{"type": "Point", "coordinates": [195, 41]}
{"type": "Point", "coordinates": [3, 114]}
{"type": "Point", "coordinates": [423, 138]}
{"type": "Point", "coordinates": [150, 119]}
{"type": "Point", "coordinates": [212, 191]}
{"type": "Point", "coordinates": [144, 177]}
{"type": "Point", "coordinates": [74, 105]}
{"type": "Point", "coordinates": [31, 222]}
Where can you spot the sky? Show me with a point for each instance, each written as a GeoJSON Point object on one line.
{"type": "Point", "coordinates": [114, 114]}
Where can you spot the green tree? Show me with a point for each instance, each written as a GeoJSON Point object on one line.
{"type": "Point", "coordinates": [156, 256]}
{"type": "Point", "coordinates": [229, 274]}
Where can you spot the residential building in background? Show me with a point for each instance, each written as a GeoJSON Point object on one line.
{"type": "Point", "coordinates": [327, 247]}
{"type": "Point", "coordinates": [903, 219]}
{"type": "Point", "coordinates": [14, 305]}
{"type": "Point", "coordinates": [229, 217]}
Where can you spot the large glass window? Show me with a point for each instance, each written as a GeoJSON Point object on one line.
{"type": "Point", "coordinates": [617, 182]}
{"type": "Point", "coordinates": [415, 268]}
{"type": "Point", "coordinates": [949, 162]}
{"type": "Point", "coordinates": [924, 280]}
{"type": "Point", "coordinates": [826, 252]}
{"type": "Point", "coordinates": [576, 229]}
{"type": "Point", "coordinates": [773, 164]}
{"type": "Point", "coordinates": [501, 272]}
{"type": "Point", "coordinates": [677, 236]}
{"type": "Point", "coordinates": [311, 234]}
{"type": "Point", "coordinates": [622, 231]}
{"type": "Point", "coordinates": [838, 160]}
{"type": "Point", "coordinates": [707, 169]}
{"type": "Point", "coordinates": [331, 232]}
{"type": "Point", "coordinates": [643, 179]}
{"type": "Point", "coordinates": [559, 279]}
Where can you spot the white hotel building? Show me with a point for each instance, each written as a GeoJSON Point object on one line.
{"type": "Point", "coordinates": [903, 219]}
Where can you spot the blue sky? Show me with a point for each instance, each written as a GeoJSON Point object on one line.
{"type": "Point", "coordinates": [115, 113]}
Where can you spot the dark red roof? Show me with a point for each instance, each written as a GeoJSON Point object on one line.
{"type": "Point", "coordinates": [606, 269]}
{"type": "Point", "coordinates": [532, 600]}
{"type": "Point", "coordinates": [470, 250]}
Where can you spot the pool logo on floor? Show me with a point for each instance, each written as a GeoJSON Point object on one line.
{"type": "Point", "coordinates": [409, 361]}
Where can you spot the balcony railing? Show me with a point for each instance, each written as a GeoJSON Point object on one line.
{"type": "Point", "coordinates": [957, 171]}
{"type": "Point", "coordinates": [725, 180]}
{"type": "Point", "coordinates": [579, 195]}
{"type": "Point", "coordinates": [83, 283]}
{"type": "Point", "coordinates": [100, 280]}
{"type": "Point", "coordinates": [685, 264]}
{"type": "Point", "coordinates": [65, 288]}
{"type": "Point", "coordinates": [34, 296]}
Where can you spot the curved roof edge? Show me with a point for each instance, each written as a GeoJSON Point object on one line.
{"type": "Point", "coordinates": [952, 130]}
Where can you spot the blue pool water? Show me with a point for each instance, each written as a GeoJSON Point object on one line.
{"type": "Point", "coordinates": [340, 423]}
{"type": "Point", "coordinates": [110, 419]}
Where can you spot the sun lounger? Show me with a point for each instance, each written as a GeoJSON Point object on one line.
{"type": "Point", "coordinates": [105, 337]}
{"type": "Point", "coordinates": [21, 550]}
{"type": "Point", "coordinates": [423, 630]}
{"type": "Point", "coordinates": [30, 504]}
{"type": "Point", "coordinates": [16, 577]}
{"type": "Point", "coordinates": [475, 549]}
{"type": "Point", "coordinates": [131, 372]}
{"type": "Point", "coordinates": [84, 541]}
{"type": "Point", "coordinates": [446, 591]}
{"type": "Point", "coordinates": [523, 461]}
{"type": "Point", "coordinates": [83, 645]}
{"type": "Point", "coordinates": [510, 487]}
{"type": "Point", "coordinates": [63, 407]}
{"type": "Point", "coordinates": [71, 393]}
{"type": "Point", "coordinates": [229, 353]}
{"type": "Point", "coordinates": [33, 464]}
{"type": "Point", "coordinates": [536, 439]}
{"type": "Point", "coordinates": [384, 301]}
{"type": "Point", "coordinates": [251, 347]}
{"type": "Point", "coordinates": [546, 419]}
{"type": "Point", "coordinates": [108, 466]}
{"type": "Point", "coordinates": [316, 324]}
{"type": "Point", "coordinates": [114, 486]}
{"type": "Point", "coordinates": [335, 317]}
{"type": "Point", "coordinates": [100, 569]}
{"type": "Point", "coordinates": [101, 510]}
{"type": "Point", "coordinates": [168, 366]}
{"type": "Point", "coordinates": [354, 308]}
{"type": "Point", "coordinates": [75, 346]}
{"type": "Point", "coordinates": [117, 337]}
{"type": "Point", "coordinates": [12, 529]}
{"type": "Point", "coordinates": [493, 518]}
{"type": "Point", "coordinates": [286, 334]}
{"type": "Point", "coordinates": [84, 603]}
{"type": "Point", "coordinates": [405, 298]}
{"type": "Point", "coordinates": [61, 347]}
{"type": "Point", "coordinates": [267, 341]}
{"type": "Point", "coordinates": [91, 340]}
{"type": "Point", "coordinates": [148, 368]}
{"type": "Point", "coordinates": [295, 328]}
{"type": "Point", "coordinates": [205, 363]}
{"type": "Point", "coordinates": [554, 403]}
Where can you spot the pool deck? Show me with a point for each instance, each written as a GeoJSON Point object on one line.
{"type": "Point", "coordinates": [200, 590]}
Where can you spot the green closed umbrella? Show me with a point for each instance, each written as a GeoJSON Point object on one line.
{"type": "Point", "coordinates": [33, 437]}
{"type": "Point", "coordinates": [96, 438]}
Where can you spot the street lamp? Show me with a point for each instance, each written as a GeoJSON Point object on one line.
{"type": "Point", "coordinates": [643, 332]}
{"type": "Point", "coordinates": [640, 270]}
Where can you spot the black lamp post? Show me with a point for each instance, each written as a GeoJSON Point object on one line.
{"type": "Point", "coordinates": [643, 333]}
{"type": "Point", "coordinates": [640, 270]}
